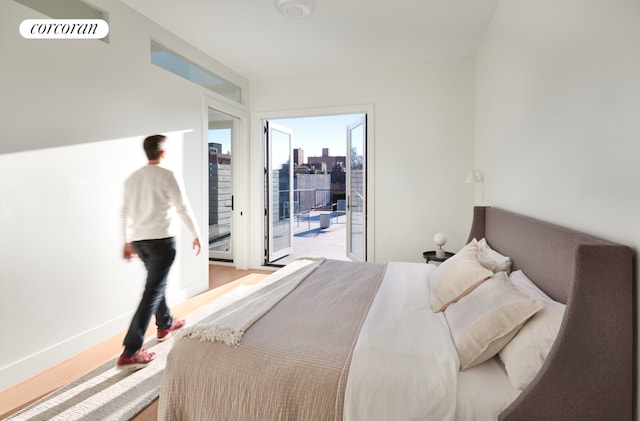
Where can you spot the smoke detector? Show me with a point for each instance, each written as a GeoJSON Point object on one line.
{"type": "Point", "coordinates": [295, 9]}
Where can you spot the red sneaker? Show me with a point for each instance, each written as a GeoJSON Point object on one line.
{"type": "Point", "coordinates": [163, 334]}
{"type": "Point", "coordinates": [135, 362]}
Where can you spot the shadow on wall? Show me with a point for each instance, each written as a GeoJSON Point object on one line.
{"type": "Point", "coordinates": [60, 250]}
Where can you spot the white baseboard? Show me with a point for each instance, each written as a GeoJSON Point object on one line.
{"type": "Point", "coordinates": [21, 370]}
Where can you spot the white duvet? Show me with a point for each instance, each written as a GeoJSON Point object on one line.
{"type": "Point", "coordinates": [405, 365]}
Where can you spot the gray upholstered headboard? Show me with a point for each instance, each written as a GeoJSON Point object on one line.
{"type": "Point", "coordinates": [589, 373]}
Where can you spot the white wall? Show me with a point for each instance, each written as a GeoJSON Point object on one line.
{"type": "Point", "coordinates": [74, 113]}
{"type": "Point", "coordinates": [558, 100]}
{"type": "Point", "coordinates": [558, 106]}
{"type": "Point", "coordinates": [424, 128]}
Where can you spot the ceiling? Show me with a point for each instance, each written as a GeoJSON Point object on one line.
{"type": "Point", "coordinates": [252, 38]}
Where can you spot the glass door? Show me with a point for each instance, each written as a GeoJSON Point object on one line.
{"type": "Point", "coordinates": [220, 140]}
{"type": "Point", "coordinates": [279, 191]}
{"type": "Point", "coordinates": [356, 190]}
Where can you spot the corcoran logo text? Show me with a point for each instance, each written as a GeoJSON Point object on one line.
{"type": "Point", "coordinates": [64, 28]}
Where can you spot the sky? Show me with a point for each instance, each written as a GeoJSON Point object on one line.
{"type": "Point", "coordinates": [311, 134]}
{"type": "Point", "coordinates": [222, 136]}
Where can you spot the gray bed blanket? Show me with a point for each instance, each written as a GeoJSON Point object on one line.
{"type": "Point", "coordinates": [229, 324]}
{"type": "Point", "coordinates": [292, 363]}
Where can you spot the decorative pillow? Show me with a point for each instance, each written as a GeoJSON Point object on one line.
{"type": "Point", "coordinates": [485, 320]}
{"type": "Point", "coordinates": [456, 277]}
{"type": "Point", "coordinates": [524, 354]}
{"type": "Point", "coordinates": [491, 259]}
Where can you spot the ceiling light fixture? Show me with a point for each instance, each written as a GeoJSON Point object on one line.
{"type": "Point", "coordinates": [295, 8]}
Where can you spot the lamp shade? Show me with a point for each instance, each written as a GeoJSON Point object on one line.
{"type": "Point", "coordinates": [474, 177]}
{"type": "Point", "coordinates": [295, 8]}
{"type": "Point", "coordinates": [440, 239]}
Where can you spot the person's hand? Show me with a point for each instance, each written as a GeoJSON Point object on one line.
{"type": "Point", "coordinates": [128, 251]}
{"type": "Point", "coordinates": [196, 245]}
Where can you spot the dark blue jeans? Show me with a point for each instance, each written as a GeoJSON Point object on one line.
{"type": "Point", "coordinates": [158, 256]}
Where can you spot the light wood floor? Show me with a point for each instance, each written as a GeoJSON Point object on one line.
{"type": "Point", "coordinates": [221, 280]}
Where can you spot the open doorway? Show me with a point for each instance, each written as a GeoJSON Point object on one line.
{"type": "Point", "coordinates": [311, 166]}
{"type": "Point", "coordinates": [220, 134]}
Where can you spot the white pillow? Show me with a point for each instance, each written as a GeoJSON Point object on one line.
{"type": "Point", "coordinates": [525, 353]}
{"type": "Point", "coordinates": [491, 259]}
{"type": "Point", "coordinates": [485, 320]}
{"type": "Point", "coordinates": [456, 277]}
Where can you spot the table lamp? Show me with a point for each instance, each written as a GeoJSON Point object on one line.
{"type": "Point", "coordinates": [440, 239]}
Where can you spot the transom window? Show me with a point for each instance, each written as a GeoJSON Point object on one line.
{"type": "Point", "coordinates": [178, 65]}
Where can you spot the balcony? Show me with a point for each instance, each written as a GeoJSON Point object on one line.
{"type": "Point", "coordinates": [309, 239]}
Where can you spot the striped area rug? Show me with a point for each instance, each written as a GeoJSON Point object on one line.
{"type": "Point", "coordinates": [106, 393]}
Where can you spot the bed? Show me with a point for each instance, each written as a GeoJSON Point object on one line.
{"type": "Point", "coordinates": [322, 339]}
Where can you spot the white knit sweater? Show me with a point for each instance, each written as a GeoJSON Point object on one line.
{"type": "Point", "coordinates": [152, 196]}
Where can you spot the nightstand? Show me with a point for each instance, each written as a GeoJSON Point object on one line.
{"type": "Point", "coordinates": [430, 256]}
